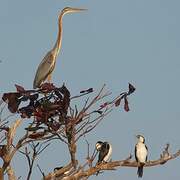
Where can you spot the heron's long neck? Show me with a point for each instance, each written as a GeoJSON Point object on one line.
{"type": "Point", "coordinates": [57, 45]}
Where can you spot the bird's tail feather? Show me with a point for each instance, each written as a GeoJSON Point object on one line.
{"type": "Point", "coordinates": [140, 171]}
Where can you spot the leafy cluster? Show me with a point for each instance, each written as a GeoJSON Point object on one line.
{"type": "Point", "coordinates": [44, 104]}
{"type": "Point", "coordinates": [49, 104]}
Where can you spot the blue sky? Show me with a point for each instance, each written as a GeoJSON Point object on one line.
{"type": "Point", "coordinates": [114, 42]}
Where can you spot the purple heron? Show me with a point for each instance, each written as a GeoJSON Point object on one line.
{"type": "Point", "coordinates": [47, 65]}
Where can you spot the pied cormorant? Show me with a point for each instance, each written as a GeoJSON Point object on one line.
{"type": "Point", "coordinates": [105, 151]}
{"type": "Point", "coordinates": [141, 153]}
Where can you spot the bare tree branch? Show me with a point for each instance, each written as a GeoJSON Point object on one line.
{"type": "Point", "coordinates": [115, 164]}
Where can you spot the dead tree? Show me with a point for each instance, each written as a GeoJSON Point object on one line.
{"type": "Point", "coordinates": [52, 114]}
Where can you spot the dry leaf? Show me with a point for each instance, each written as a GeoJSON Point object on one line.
{"type": "Point", "coordinates": [19, 89]}
{"type": "Point", "coordinates": [36, 135]}
{"type": "Point", "coordinates": [118, 101]}
{"type": "Point", "coordinates": [126, 105]}
{"type": "Point", "coordinates": [131, 89]}
{"type": "Point", "coordinates": [87, 91]}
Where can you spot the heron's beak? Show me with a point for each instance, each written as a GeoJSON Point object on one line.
{"type": "Point", "coordinates": [78, 9]}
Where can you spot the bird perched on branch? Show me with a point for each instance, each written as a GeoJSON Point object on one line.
{"type": "Point", "coordinates": [141, 153]}
{"type": "Point", "coordinates": [47, 65]}
{"type": "Point", "coordinates": [58, 168]}
{"type": "Point", "coordinates": [105, 151]}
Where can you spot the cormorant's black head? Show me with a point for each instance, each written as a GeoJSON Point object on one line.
{"type": "Point", "coordinates": [99, 145]}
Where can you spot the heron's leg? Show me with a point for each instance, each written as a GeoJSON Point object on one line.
{"type": "Point", "coordinates": [49, 78]}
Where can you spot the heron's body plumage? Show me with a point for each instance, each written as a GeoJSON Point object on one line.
{"type": "Point", "coordinates": [45, 68]}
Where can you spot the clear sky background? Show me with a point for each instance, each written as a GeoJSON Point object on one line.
{"type": "Point", "coordinates": [114, 42]}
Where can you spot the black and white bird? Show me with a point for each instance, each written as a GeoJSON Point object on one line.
{"type": "Point", "coordinates": [65, 173]}
{"type": "Point", "coordinates": [105, 151]}
{"type": "Point", "coordinates": [141, 154]}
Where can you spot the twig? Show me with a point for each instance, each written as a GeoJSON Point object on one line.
{"type": "Point", "coordinates": [41, 171]}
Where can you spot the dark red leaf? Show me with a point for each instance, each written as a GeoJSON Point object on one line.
{"type": "Point", "coordinates": [19, 89]}
{"type": "Point", "coordinates": [36, 135]}
{"type": "Point", "coordinates": [118, 101]}
{"type": "Point", "coordinates": [39, 119]}
{"type": "Point", "coordinates": [90, 90]}
{"type": "Point", "coordinates": [8, 96]}
{"type": "Point", "coordinates": [33, 97]}
{"type": "Point", "coordinates": [33, 128]}
{"type": "Point", "coordinates": [38, 113]}
{"type": "Point", "coordinates": [5, 128]}
{"type": "Point", "coordinates": [83, 91]}
{"type": "Point", "coordinates": [13, 105]}
{"type": "Point", "coordinates": [126, 106]}
{"type": "Point", "coordinates": [66, 99]}
{"type": "Point", "coordinates": [131, 89]}
{"type": "Point", "coordinates": [24, 115]}
{"type": "Point", "coordinates": [53, 107]}
{"type": "Point", "coordinates": [26, 112]}
{"type": "Point", "coordinates": [55, 126]}
{"type": "Point", "coordinates": [47, 87]}
{"type": "Point", "coordinates": [104, 105]}
{"type": "Point", "coordinates": [12, 100]}
{"type": "Point", "coordinates": [99, 112]}
{"type": "Point", "coordinates": [87, 91]}
{"type": "Point", "coordinates": [5, 97]}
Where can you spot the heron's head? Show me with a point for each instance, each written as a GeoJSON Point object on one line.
{"type": "Point", "coordinates": [140, 138]}
{"type": "Point", "coordinates": [68, 10]}
{"type": "Point", "coordinates": [98, 145]}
